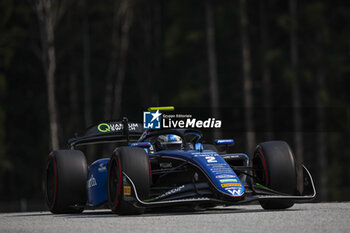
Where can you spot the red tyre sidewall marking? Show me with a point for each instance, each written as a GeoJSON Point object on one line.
{"type": "Point", "coordinates": [55, 191]}
{"type": "Point", "coordinates": [119, 184]}
{"type": "Point", "coordinates": [263, 158]}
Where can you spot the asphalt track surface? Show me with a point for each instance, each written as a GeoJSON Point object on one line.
{"type": "Point", "coordinates": [321, 217]}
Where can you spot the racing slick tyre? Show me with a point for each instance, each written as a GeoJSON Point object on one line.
{"type": "Point", "coordinates": [65, 182]}
{"type": "Point", "coordinates": [275, 168]}
{"type": "Point", "coordinates": [134, 162]}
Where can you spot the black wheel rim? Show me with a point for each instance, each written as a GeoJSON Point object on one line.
{"type": "Point", "coordinates": [50, 182]}
{"type": "Point", "coordinates": [259, 170]}
{"type": "Point", "coordinates": [113, 182]}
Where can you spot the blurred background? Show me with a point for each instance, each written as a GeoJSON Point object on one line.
{"type": "Point", "coordinates": [269, 69]}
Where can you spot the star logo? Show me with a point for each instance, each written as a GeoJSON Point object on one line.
{"type": "Point", "coordinates": [151, 120]}
{"type": "Point", "coordinates": [156, 115]}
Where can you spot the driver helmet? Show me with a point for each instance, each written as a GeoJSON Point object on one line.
{"type": "Point", "coordinates": [170, 142]}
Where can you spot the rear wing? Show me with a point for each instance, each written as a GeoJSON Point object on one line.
{"type": "Point", "coordinates": [107, 132]}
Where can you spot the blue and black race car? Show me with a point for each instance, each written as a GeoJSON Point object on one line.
{"type": "Point", "coordinates": [152, 169]}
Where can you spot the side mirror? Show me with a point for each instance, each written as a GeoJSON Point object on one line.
{"type": "Point", "coordinates": [227, 142]}
{"type": "Point", "coordinates": [140, 144]}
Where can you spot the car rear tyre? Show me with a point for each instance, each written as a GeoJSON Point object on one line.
{"type": "Point", "coordinates": [65, 181]}
{"type": "Point", "coordinates": [275, 168]}
{"type": "Point", "coordinates": [134, 162]}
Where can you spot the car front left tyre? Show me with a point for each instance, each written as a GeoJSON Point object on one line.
{"type": "Point", "coordinates": [133, 162]}
{"type": "Point", "coordinates": [65, 181]}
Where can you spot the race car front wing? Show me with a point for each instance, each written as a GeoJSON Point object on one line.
{"type": "Point", "coordinates": [257, 193]}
